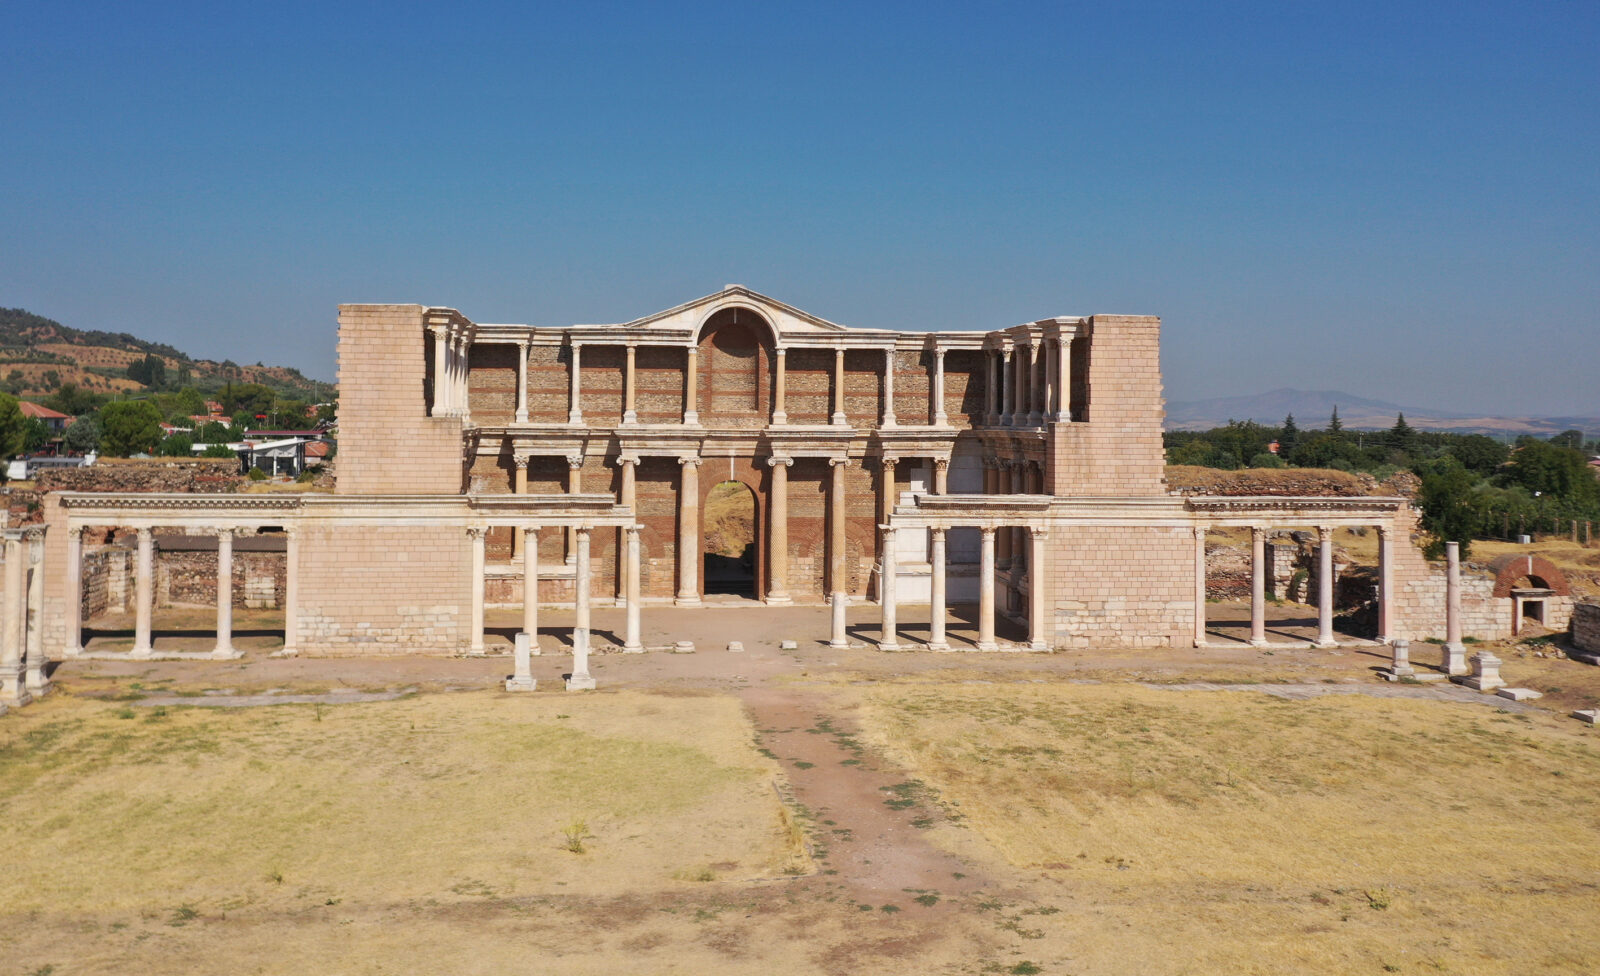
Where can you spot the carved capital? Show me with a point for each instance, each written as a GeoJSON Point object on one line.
{"type": "Point", "coordinates": [690, 461]}
{"type": "Point", "coordinates": [75, 533]}
{"type": "Point", "coordinates": [776, 460]}
{"type": "Point", "coordinates": [837, 462]}
{"type": "Point", "coordinates": [1324, 534]}
{"type": "Point", "coordinates": [940, 462]}
{"type": "Point", "coordinates": [627, 459]}
{"type": "Point", "coordinates": [1200, 533]}
{"type": "Point", "coordinates": [574, 461]}
{"type": "Point", "coordinates": [521, 460]}
{"type": "Point", "coordinates": [144, 534]}
{"type": "Point", "coordinates": [475, 532]}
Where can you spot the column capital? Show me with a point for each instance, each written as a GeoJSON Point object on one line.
{"type": "Point", "coordinates": [777, 459]}
{"type": "Point", "coordinates": [223, 531]}
{"type": "Point", "coordinates": [1200, 532]}
{"type": "Point", "coordinates": [1038, 532]}
{"type": "Point", "coordinates": [1258, 531]}
{"type": "Point", "coordinates": [780, 350]}
{"type": "Point", "coordinates": [522, 344]}
{"type": "Point", "coordinates": [475, 532]}
{"type": "Point", "coordinates": [1325, 533]}
{"type": "Point", "coordinates": [627, 459]}
{"type": "Point", "coordinates": [632, 530]}
{"type": "Point", "coordinates": [583, 531]}
{"type": "Point", "coordinates": [938, 532]}
{"type": "Point", "coordinates": [531, 531]}
{"type": "Point", "coordinates": [987, 531]}
{"type": "Point", "coordinates": [521, 460]}
{"type": "Point", "coordinates": [938, 351]}
{"type": "Point", "coordinates": [835, 462]}
{"type": "Point", "coordinates": [144, 533]}
{"type": "Point", "coordinates": [1384, 531]}
{"type": "Point", "coordinates": [439, 331]}
{"type": "Point", "coordinates": [941, 462]}
{"type": "Point", "coordinates": [889, 461]}
{"type": "Point", "coordinates": [75, 532]}
{"type": "Point", "coordinates": [574, 461]}
{"type": "Point", "coordinates": [691, 461]}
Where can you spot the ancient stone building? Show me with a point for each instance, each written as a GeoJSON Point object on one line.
{"type": "Point", "coordinates": [1018, 472]}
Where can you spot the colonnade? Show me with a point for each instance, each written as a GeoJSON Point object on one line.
{"type": "Point", "coordinates": [1037, 536]}
{"type": "Point", "coordinates": [451, 347]}
{"type": "Point", "coordinates": [1258, 585]}
{"type": "Point", "coordinates": [22, 663]}
{"type": "Point", "coordinates": [1029, 382]}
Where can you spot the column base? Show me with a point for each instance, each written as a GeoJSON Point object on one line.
{"type": "Point", "coordinates": [633, 648]}
{"type": "Point", "coordinates": [779, 418]}
{"type": "Point", "coordinates": [1257, 643]}
{"type": "Point", "coordinates": [286, 652]}
{"type": "Point", "coordinates": [580, 682]}
{"type": "Point", "coordinates": [941, 420]}
{"type": "Point", "coordinates": [226, 652]}
{"type": "Point", "coordinates": [1455, 659]}
{"type": "Point", "coordinates": [779, 600]}
{"type": "Point", "coordinates": [987, 646]}
{"type": "Point", "coordinates": [691, 416]}
{"type": "Point", "coordinates": [938, 646]}
{"type": "Point", "coordinates": [687, 601]}
{"type": "Point", "coordinates": [522, 416]}
{"type": "Point", "coordinates": [890, 646]}
{"type": "Point", "coordinates": [837, 420]}
{"type": "Point", "coordinates": [521, 684]}
{"type": "Point", "coordinates": [1327, 642]}
{"type": "Point", "coordinates": [1201, 642]}
{"type": "Point", "coordinates": [141, 652]}
{"type": "Point", "coordinates": [889, 421]}
{"type": "Point", "coordinates": [630, 417]}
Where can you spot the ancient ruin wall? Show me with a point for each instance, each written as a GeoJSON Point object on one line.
{"type": "Point", "coordinates": [367, 588]}
{"type": "Point", "coordinates": [1586, 627]}
{"type": "Point", "coordinates": [1121, 586]}
{"type": "Point", "coordinates": [1118, 450]}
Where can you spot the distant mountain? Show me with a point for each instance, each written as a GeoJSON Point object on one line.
{"type": "Point", "coordinates": [41, 355]}
{"type": "Point", "coordinates": [1312, 408]}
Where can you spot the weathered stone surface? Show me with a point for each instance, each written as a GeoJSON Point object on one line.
{"type": "Point", "coordinates": [1590, 716]}
{"type": "Point", "coordinates": [1519, 694]}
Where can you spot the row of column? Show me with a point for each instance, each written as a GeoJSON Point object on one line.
{"type": "Point", "coordinates": [22, 664]}
{"type": "Point", "coordinates": [1038, 640]}
{"type": "Point", "coordinates": [691, 413]}
{"type": "Point", "coordinates": [1258, 585]}
{"type": "Point", "coordinates": [1029, 383]}
{"type": "Point", "coordinates": [144, 595]}
{"type": "Point", "coordinates": [450, 364]}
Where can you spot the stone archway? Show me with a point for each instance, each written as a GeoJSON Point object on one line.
{"type": "Point", "coordinates": [731, 540]}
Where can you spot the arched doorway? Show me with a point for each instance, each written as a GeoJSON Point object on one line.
{"type": "Point", "coordinates": [730, 528]}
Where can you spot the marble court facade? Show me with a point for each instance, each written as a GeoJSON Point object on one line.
{"type": "Point", "coordinates": [1018, 472]}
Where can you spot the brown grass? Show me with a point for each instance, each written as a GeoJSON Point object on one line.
{"type": "Point", "coordinates": [1254, 481]}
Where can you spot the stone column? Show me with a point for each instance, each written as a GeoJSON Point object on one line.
{"type": "Point", "coordinates": [441, 376]}
{"type": "Point", "coordinates": [519, 486]}
{"type": "Point", "coordinates": [890, 570]}
{"type": "Point", "coordinates": [840, 636]}
{"type": "Point", "coordinates": [1199, 586]}
{"type": "Point", "coordinates": [689, 533]}
{"type": "Point", "coordinates": [627, 495]}
{"type": "Point", "coordinates": [886, 490]}
{"type": "Point", "coordinates": [143, 587]}
{"type": "Point", "coordinates": [1455, 653]}
{"type": "Point", "coordinates": [838, 387]}
{"type": "Point", "coordinates": [522, 382]}
{"type": "Point", "coordinates": [475, 535]}
{"type": "Point", "coordinates": [691, 387]}
{"type": "Point", "coordinates": [780, 413]}
{"type": "Point", "coordinates": [1325, 586]}
{"type": "Point", "coordinates": [1007, 476]}
{"type": "Point", "coordinates": [1385, 583]}
{"type": "Point", "coordinates": [991, 376]}
{"type": "Point", "coordinates": [629, 414]}
{"type": "Point", "coordinates": [224, 648]}
{"type": "Point", "coordinates": [940, 418]}
{"type": "Point", "coordinates": [836, 527]}
{"type": "Point", "coordinates": [581, 680]}
{"type": "Point", "coordinates": [574, 401]}
{"type": "Point", "coordinates": [1038, 599]}
{"type": "Point", "coordinates": [13, 629]}
{"type": "Point", "coordinates": [1258, 586]}
{"type": "Point", "coordinates": [1005, 387]}
{"type": "Point", "coordinates": [37, 682]}
{"type": "Point", "coordinates": [291, 591]}
{"type": "Point", "coordinates": [1035, 404]}
{"type": "Point", "coordinates": [936, 598]}
{"type": "Point", "coordinates": [466, 380]}
{"type": "Point", "coordinates": [74, 607]}
{"type": "Point", "coordinates": [574, 486]}
{"type": "Point", "coordinates": [986, 591]}
{"type": "Point", "coordinates": [888, 388]}
{"type": "Point", "coordinates": [991, 476]}
{"type": "Point", "coordinates": [1019, 386]}
{"type": "Point", "coordinates": [941, 476]}
{"type": "Point", "coordinates": [630, 641]}
{"type": "Point", "coordinates": [1063, 379]}
{"type": "Point", "coordinates": [778, 534]}
{"type": "Point", "coordinates": [530, 585]}
{"type": "Point", "coordinates": [1052, 378]}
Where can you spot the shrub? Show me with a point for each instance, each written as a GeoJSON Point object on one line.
{"type": "Point", "coordinates": [1267, 459]}
{"type": "Point", "coordinates": [256, 474]}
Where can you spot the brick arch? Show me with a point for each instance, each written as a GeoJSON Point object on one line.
{"type": "Point", "coordinates": [735, 373]}
{"type": "Point", "coordinates": [1508, 569]}
{"type": "Point", "coordinates": [753, 481]}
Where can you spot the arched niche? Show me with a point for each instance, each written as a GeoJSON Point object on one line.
{"type": "Point", "coordinates": [735, 368]}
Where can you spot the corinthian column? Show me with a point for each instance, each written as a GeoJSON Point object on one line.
{"type": "Point", "coordinates": [780, 413]}
{"type": "Point", "coordinates": [574, 404]}
{"type": "Point", "coordinates": [689, 533]}
{"type": "Point", "coordinates": [836, 533]}
{"type": "Point", "coordinates": [936, 601]}
{"type": "Point", "coordinates": [1258, 586]}
{"type": "Point", "coordinates": [778, 534]}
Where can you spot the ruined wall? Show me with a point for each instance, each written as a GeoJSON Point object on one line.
{"type": "Point", "coordinates": [492, 384]}
{"type": "Point", "coordinates": [1118, 450]}
{"type": "Point", "coordinates": [1120, 586]}
{"type": "Point", "coordinates": [190, 578]}
{"type": "Point", "coordinates": [548, 384]}
{"type": "Point", "coordinates": [1586, 627]}
{"type": "Point", "coordinates": [367, 588]}
{"type": "Point", "coordinates": [208, 476]}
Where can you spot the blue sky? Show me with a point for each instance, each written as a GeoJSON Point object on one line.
{"type": "Point", "coordinates": [1398, 200]}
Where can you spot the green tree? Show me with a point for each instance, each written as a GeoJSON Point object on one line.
{"type": "Point", "coordinates": [1558, 472]}
{"type": "Point", "coordinates": [151, 371]}
{"type": "Point", "coordinates": [176, 445]}
{"type": "Point", "coordinates": [35, 434]}
{"type": "Point", "coordinates": [1477, 453]}
{"type": "Point", "coordinates": [83, 434]}
{"type": "Point", "coordinates": [73, 400]}
{"type": "Point", "coordinates": [1288, 438]}
{"type": "Point", "coordinates": [13, 426]}
{"type": "Point", "coordinates": [219, 451]}
{"type": "Point", "coordinates": [213, 433]}
{"type": "Point", "coordinates": [129, 427]}
{"type": "Point", "coordinates": [1334, 427]}
{"type": "Point", "coordinates": [1402, 436]}
{"type": "Point", "coordinates": [1446, 501]}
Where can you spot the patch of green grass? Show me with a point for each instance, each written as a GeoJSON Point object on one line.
{"type": "Point", "coordinates": [929, 900]}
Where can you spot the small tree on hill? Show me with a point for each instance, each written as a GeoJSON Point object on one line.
{"type": "Point", "coordinates": [129, 427]}
{"type": "Point", "coordinates": [1289, 439]}
{"type": "Point", "coordinates": [1334, 426]}
{"type": "Point", "coordinates": [1402, 436]}
{"type": "Point", "coordinates": [13, 426]}
{"type": "Point", "coordinates": [83, 435]}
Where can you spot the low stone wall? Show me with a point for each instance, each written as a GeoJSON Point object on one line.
{"type": "Point", "coordinates": [1185, 479]}
{"type": "Point", "coordinates": [107, 581]}
{"type": "Point", "coordinates": [185, 578]}
{"type": "Point", "coordinates": [189, 475]}
{"type": "Point", "coordinates": [1586, 627]}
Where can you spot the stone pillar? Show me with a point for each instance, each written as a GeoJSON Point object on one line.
{"type": "Point", "coordinates": [941, 476]}
{"type": "Point", "coordinates": [1258, 586]}
{"type": "Point", "coordinates": [1400, 661]}
{"type": "Point", "coordinates": [936, 598]}
{"type": "Point", "coordinates": [1035, 407]}
{"type": "Point", "coordinates": [291, 591]}
{"type": "Point", "coordinates": [1005, 387]}
{"type": "Point", "coordinates": [836, 533]}
{"type": "Point", "coordinates": [224, 648]}
{"type": "Point", "coordinates": [530, 585]}
{"type": "Point", "coordinates": [689, 533]}
{"type": "Point", "coordinates": [475, 536]}
{"type": "Point", "coordinates": [986, 591]}
{"type": "Point", "coordinates": [1485, 672]}
{"type": "Point", "coordinates": [13, 629]}
{"type": "Point", "coordinates": [1199, 586]}
{"type": "Point", "coordinates": [991, 396]}
{"type": "Point", "coordinates": [691, 387]}
{"type": "Point", "coordinates": [627, 495]}
{"type": "Point", "coordinates": [465, 380]}
{"type": "Point", "coordinates": [630, 641]}
{"type": "Point", "coordinates": [581, 680]}
{"type": "Point", "coordinates": [441, 375]}
{"type": "Point", "coordinates": [37, 682]}
{"type": "Point", "coordinates": [991, 476]}
{"type": "Point", "coordinates": [780, 413]}
{"type": "Point", "coordinates": [1325, 586]}
{"type": "Point", "coordinates": [886, 490]}
{"type": "Point", "coordinates": [890, 570]}
{"type": "Point", "coordinates": [574, 401]}
{"type": "Point", "coordinates": [1019, 386]}
{"type": "Point", "coordinates": [522, 382]}
{"type": "Point", "coordinates": [574, 486]}
{"type": "Point", "coordinates": [1385, 583]}
{"type": "Point", "coordinates": [840, 636]}
{"type": "Point", "coordinates": [629, 414]}
{"type": "Point", "coordinates": [940, 418]}
{"type": "Point", "coordinates": [143, 587]}
{"type": "Point", "coordinates": [838, 387]}
{"type": "Point", "coordinates": [519, 486]}
{"type": "Point", "coordinates": [1038, 580]}
{"type": "Point", "coordinates": [1063, 379]}
{"type": "Point", "coordinates": [1006, 476]}
{"type": "Point", "coordinates": [778, 534]}
{"type": "Point", "coordinates": [522, 676]}
{"type": "Point", "coordinates": [74, 607]}
{"type": "Point", "coordinates": [1052, 377]}
{"type": "Point", "coordinates": [888, 388]}
{"type": "Point", "coordinates": [1455, 653]}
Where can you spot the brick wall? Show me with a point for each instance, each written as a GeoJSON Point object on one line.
{"type": "Point", "coordinates": [388, 443]}
{"type": "Point", "coordinates": [1120, 586]}
{"type": "Point", "coordinates": [375, 589]}
{"type": "Point", "coordinates": [492, 384]}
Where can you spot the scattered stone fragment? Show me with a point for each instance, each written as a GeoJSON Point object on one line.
{"type": "Point", "coordinates": [1588, 715]}
{"type": "Point", "coordinates": [1485, 674]}
{"type": "Point", "coordinates": [735, 646]}
{"type": "Point", "coordinates": [683, 647]}
{"type": "Point", "coordinates": [1519, 694]}
{"type": "Point", "coordinates": [789, 645]}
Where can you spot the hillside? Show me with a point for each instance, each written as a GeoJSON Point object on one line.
{"type": "Point", "coordinates": [39, 355]}
{"type": "Point", "coordinates": [1311, 408]}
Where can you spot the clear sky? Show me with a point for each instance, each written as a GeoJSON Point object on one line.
{"type": "Point", "coordinates": [1398, 200]}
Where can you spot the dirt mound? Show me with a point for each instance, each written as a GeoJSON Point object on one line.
{"type": "Point", "coordinates": [1184, 479]}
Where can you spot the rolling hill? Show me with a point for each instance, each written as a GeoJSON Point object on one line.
{"type": "Point", "coordinates": [1311, 408]}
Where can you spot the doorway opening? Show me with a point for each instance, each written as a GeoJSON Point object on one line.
{"type": "Point", "coordinates": [730, 540]}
